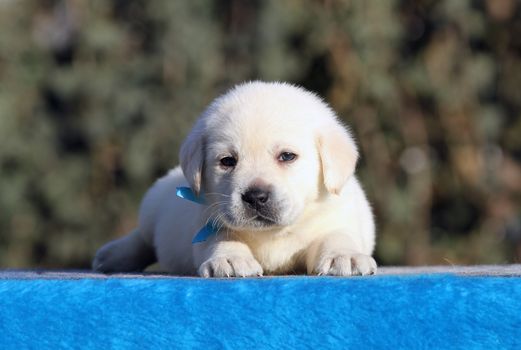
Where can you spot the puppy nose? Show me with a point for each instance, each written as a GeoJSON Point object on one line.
{"type": "Point", "coordinates": [256, 196]}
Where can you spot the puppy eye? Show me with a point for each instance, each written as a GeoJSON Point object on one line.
{"type": "Point", "coordinates": [228, 162]}
{"type": "Point", "coordinates": [287, 157]}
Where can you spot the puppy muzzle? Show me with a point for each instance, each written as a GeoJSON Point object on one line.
{"type": "Point", "coordinates": [258, 202]}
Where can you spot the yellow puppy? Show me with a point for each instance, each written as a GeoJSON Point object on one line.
{"type": "Point", "coordinates": [275, 170]}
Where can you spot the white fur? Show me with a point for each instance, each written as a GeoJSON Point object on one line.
{"type": "Point", "coordinates": [322, 221]}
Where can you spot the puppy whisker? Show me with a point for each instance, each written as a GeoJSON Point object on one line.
{"type": "Point", "coordinates": [217, 194]}
{"type": "Point", "coordinates": [214, 206]}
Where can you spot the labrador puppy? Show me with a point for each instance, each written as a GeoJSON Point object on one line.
{"type": "Point", "coordinates": [270, 171]}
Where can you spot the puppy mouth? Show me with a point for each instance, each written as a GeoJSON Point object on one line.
{"type": "Point", "coordinates": [255, 221]}
{"type": "Point", "coordinates": [264, 219]}
{"type": "Point", "coordinates": [266, 216]}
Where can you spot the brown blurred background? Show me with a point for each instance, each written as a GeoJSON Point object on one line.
{"type": "Point", "coordinates": [96, 96]}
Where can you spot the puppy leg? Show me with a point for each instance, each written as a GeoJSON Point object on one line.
{"type": "Point", "coordinates": [126, 254]}
{"type": "Point", "coordinates": [229, 259]}
{"type": "Point", "coordinates": [336, 255]}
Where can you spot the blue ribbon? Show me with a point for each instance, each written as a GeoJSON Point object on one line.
{"type": "Point", "coordinates": [207, 230]}
{"type": "Point", "coordinates": [188, 194]}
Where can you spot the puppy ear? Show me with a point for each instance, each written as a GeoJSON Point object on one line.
{"type": "Point", "coordinates": [191, 157]}
{"type": "Point", "coordinates": [338, 154]}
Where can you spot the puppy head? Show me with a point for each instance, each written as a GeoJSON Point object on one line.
{"type": "Point", "coordinates": [263, 152]}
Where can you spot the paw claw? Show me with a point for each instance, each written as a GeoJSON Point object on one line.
{"type": "Point", "coordinates": [236, 266]}
{"type": "Point", "coordinates": [345, 265]}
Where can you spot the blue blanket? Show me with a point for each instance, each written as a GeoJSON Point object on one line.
{"type": "Point", "coordinates": [376, 312]}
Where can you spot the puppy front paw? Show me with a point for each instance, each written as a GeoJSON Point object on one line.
{"type": "Point", "coordinates": [345, 265]}
{"type": "Point", "coordinates": [230, 266]}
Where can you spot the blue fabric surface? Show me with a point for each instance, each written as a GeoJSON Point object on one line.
{"type": "Point", "coordinates": [377, 312]}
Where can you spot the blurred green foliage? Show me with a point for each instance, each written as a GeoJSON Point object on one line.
{"type": "Point", "coordinates": [96, 96]}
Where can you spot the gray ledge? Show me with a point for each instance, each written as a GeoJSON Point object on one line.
{"type": "Point", "coordinates": [475, 270]}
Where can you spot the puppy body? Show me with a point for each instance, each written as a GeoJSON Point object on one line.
{"type": "Point", "coordinates": [276, 169]}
